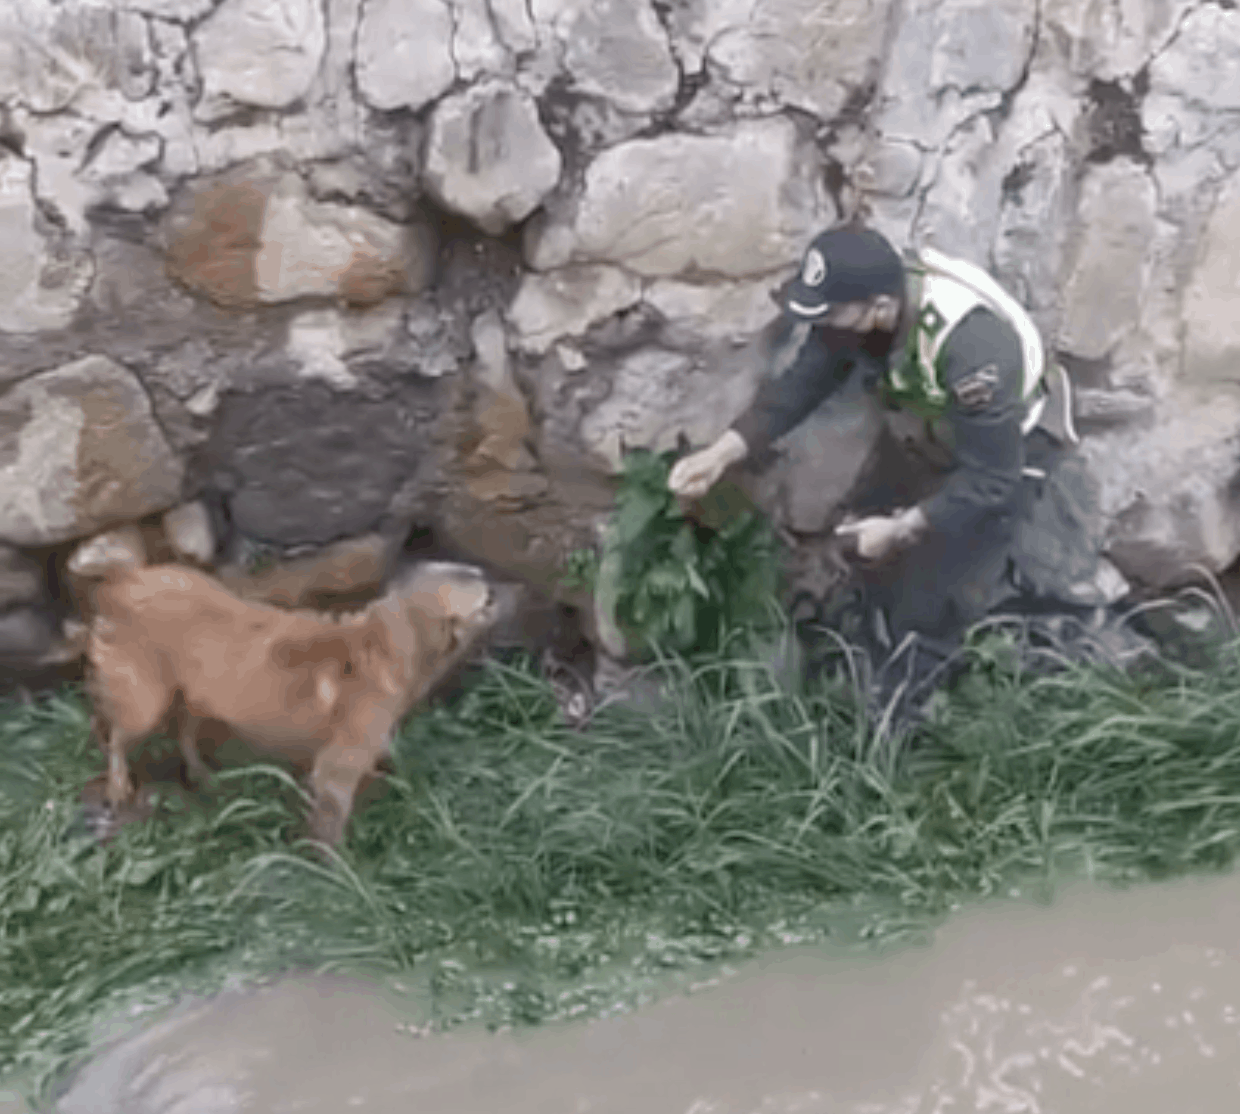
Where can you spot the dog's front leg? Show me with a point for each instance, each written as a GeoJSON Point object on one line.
{"type": "Point", "coordinates": [120, 787]}
{"type": "Point", "coordinates": [199, 775]}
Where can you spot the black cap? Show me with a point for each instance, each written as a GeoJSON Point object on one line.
{"type": "Point", "coordinates": [847, 264]}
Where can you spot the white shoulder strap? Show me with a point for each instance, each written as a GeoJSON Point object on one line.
{"type": "Point", "coordinates": [985, 287]}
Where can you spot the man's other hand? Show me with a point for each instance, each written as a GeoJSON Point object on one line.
{"type": "Point", "coordinates": [881, 535]}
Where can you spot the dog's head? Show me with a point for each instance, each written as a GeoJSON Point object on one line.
{"type": "Point", "coordinates": [452, 606]}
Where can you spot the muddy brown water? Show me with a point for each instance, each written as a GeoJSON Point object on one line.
{"type": "Point", "coordinates": [1102, 1001]}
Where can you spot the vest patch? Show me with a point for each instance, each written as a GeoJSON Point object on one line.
{"type": "Point", "coordinates": [977, 391]}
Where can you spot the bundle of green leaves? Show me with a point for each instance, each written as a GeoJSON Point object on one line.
{"type": "Point", "coordinates": [681, 586]}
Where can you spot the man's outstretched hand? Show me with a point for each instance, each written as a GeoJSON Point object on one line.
{"type": "Point", "coordinates": [694, 476]}
{"type": "Point", "coordinates": [879, 536]}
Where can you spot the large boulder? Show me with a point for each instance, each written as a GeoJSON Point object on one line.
{"type": "Point", "coordinates": [488, 157]}
{"type": "Point", "coordinates": [307, 465]}
{"type": "Point", "coordinates": [260, 237]}
{"type": "Point", "coordinates": [80, 449]}
{"type": "Point", "coordinates": [740, 204]}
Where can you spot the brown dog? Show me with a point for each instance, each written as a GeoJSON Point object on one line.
{"type": "Point", "coordinates": [326, 692]}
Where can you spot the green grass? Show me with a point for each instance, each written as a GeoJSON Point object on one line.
{"type": "Point", "coordinates": [521, 872]}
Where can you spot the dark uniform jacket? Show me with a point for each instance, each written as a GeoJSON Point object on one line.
{"type": "Point", "coordinates": [981, 371]}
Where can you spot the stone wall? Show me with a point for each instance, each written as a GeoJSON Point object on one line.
{"type": "Point", "coordinates": [336, 265]}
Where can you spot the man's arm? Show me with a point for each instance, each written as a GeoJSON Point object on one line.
{"type": "Point", "coordinates": [785, 401]}
{"type": "Point", "coordinates": [982, 371]}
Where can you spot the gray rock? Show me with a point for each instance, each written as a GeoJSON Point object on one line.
{"type": "Point", "coordinates": [1103, 407]}
{"type": "Point", "coordinates": [488, 157]}
{"type": "Point", "coordinates": [251, 52]}
{"type": "Point", "coordinates": [657, 395]}
{"type": "Point", "coordinates": [566, 302]}
{"type": "Point", "coordinates": [805, 53]}
{"type": "Point", "coordinates": [79, 449]}
{"type": "Point", "coordinates": [478, 49]}
{"type": "Point", "coordinates": [949, 61]}
{"type": "Point", "coordinates": [1108, 39]}
{"type": "Point", "coordinates": [21, 579]}
{"type": "Point", "coordinates": [404, 52]}
{"type": "Point", "coordinates": [1210, 321]}
{"type": "Point", "coordinates": [615, 49]}
{"type": "Point", "coordinates": [706, 314]}
{"type": "Point", "coordinates": [40, 288]}
{"type": "Point", "coordinates": [1166, 492]}
{"type": "Point", "coordinates": [55, 55]}
{"type": "Point", "coordinates": [1104, 287]}
{"type": "Point", "coordinates": [740, 204]}
{"type": "Point", "coordinates": [306, 465]}
{"type": "Point", "coordinates": [26, 634]}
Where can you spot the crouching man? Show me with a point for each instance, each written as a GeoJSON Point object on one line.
{"type": "Point", "coordinates": [958, 370]}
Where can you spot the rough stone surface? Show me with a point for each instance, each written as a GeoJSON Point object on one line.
{"type": "Point", "coordinates": [306, 465]}
{"type": "Point", "coordinates": [261, 238]}
{"type": "Point", "coordinates": [1196, 77]}
{"type": "Point", "coordinates": [566, 302]}
{"type": "Point", "coordinates": [26, 634]}
{"type": "Point", "coordinates": [499, 467]}
{"type": "Point", "coordinates": [258, 53]}
{"type": "Point", "coordinates": [42, 283]}
{"type": "Point", "coordinates": [285, 161]}
{"type": "Point", "coordinates": [804, 53]}
{"type": "Point", "coordinates": [308, 248]}
{"type": "Point", "coordinates": [1103, 290]}
{"type": "Point", "coordinates": [404, 52]}
{"type": "Point", "coordinates": [1110, 39]}
{"type": "Point", "coordinates": [488, 157]}
{"type": "Point", "coordinates": [709, 313]}
{"type": "Point", "coordinates": [615, 49]}
{"type": "Point", "coordinates": [1212, 297]}
{"type": "Point", "coordinates": [736, 205]}
{"type": "Point", "coordinates": [656, 396]}
{"type": "Point", "coordinates": [21, 579]}
{"type": "Point", "coordinates": [54, 56]}
{"type": "Point", "coordinates": [79, 450]}
{"type": "Point", "coordinates": [1169, 494]}
{"type": "Point", "coordinates": [950, 60]}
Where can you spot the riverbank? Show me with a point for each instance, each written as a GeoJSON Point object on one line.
{"type": "Point", "coordinates": [519, 872]}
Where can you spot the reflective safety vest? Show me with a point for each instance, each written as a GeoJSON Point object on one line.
{"type": "Point", "coordinates": [950, 289]}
